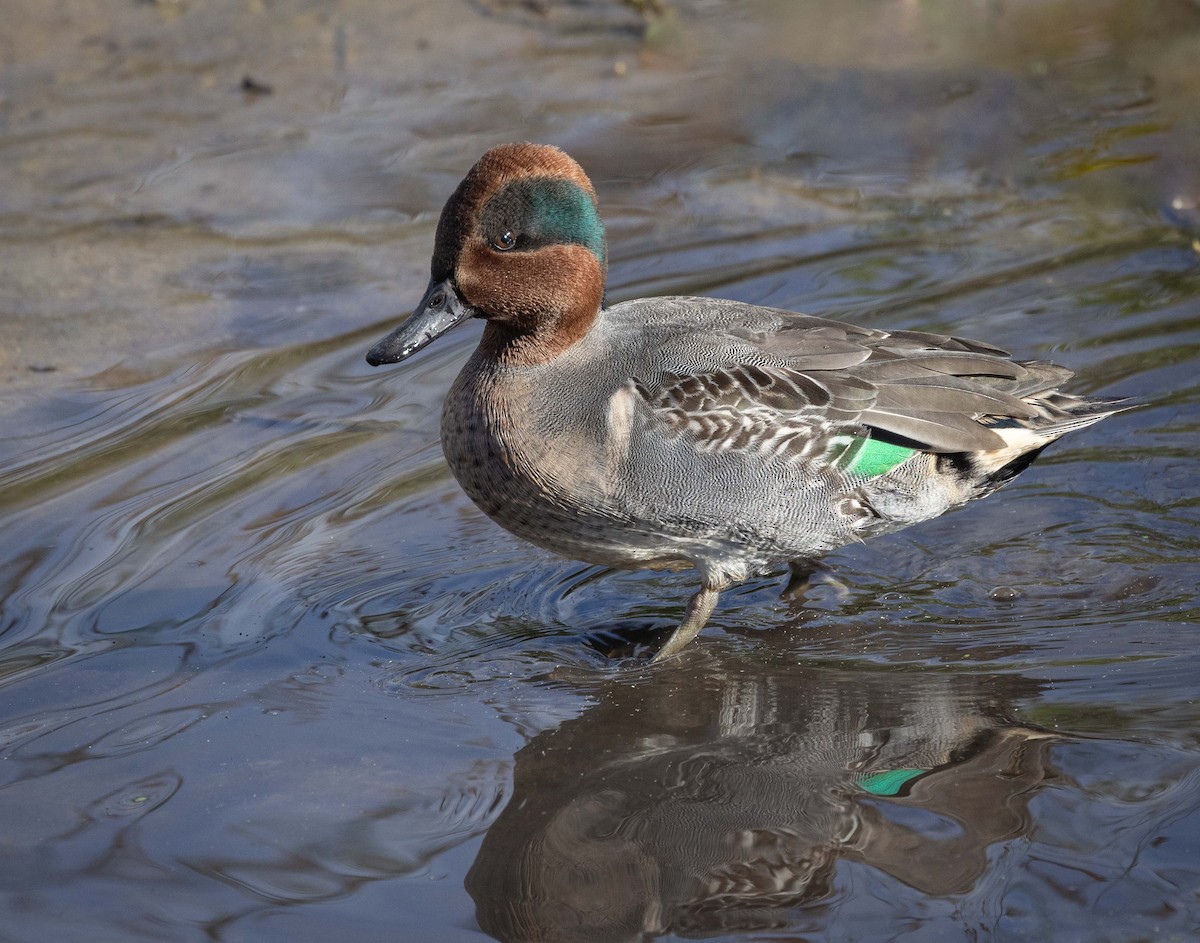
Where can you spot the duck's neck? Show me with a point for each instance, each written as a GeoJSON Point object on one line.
{"type": "Point", "coordinates": [516, 346]}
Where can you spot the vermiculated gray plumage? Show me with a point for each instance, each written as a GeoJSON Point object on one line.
{"type": "Point", "coordinates": [693, 431]}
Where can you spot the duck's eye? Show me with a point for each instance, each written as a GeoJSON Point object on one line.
{"type": "Point", "coordinates": [505, 241]}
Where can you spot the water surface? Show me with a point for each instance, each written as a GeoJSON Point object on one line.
{"type": "Point", "coordinates": [266, 674]}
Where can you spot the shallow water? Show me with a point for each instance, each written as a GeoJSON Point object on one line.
{"type": "Point", "coordinates": [265, 673]}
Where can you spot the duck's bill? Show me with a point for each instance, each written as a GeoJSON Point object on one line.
{"type": "Point", "coordinates": [439, 310]}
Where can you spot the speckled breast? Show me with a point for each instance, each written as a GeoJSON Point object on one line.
{"type": "Point", "coordinates": [537, 466]}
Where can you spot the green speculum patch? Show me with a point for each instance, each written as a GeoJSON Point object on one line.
{"type": "Point", "coordinates": [871, 458]}
{"type": "Point", "coordinates": [889, 782]}
{"type": "Point", "coordinates": [542, 212]}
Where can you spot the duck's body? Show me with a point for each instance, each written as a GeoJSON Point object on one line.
{"type": "Point", "coordinates": [694, 432]}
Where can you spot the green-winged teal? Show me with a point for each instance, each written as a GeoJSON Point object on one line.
{"type": "Point", "coordinates": [694, 432]}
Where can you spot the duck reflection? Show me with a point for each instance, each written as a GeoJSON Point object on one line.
{"type": "Point", "coordinates": [695, 805]}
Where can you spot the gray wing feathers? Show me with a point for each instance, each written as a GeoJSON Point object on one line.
{"type": "Point", "coordinates": [942, 392]}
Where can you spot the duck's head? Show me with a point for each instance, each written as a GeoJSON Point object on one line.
{"type": "Point", "coordinates": [519, 243]}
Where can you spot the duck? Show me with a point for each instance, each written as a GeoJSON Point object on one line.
{"type": "Point", "coordinates": [695, 432]}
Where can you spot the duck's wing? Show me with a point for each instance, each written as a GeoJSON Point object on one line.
{"type": "Point", "coordinates": [791, 381]}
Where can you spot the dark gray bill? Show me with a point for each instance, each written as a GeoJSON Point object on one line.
{"type": "Point", "coordinates": [439, 310]}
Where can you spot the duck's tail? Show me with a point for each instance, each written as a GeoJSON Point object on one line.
{"type": "Point", "coordinates": [1057, 413]}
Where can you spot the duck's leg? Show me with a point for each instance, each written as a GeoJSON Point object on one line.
{"type": "Point", "coordinates": [803, 577]}
{"type": "Point", "coordinates": [800, 577]}
{"type": "Point", "coordinates": [699, 608]}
